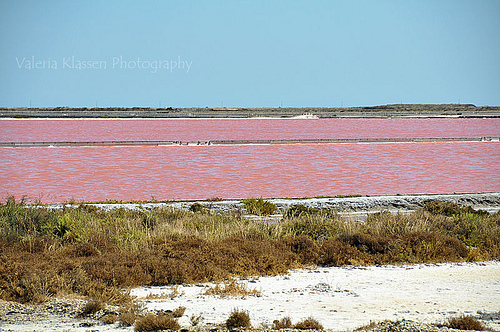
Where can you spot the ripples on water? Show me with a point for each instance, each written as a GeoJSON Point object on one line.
{"type": "Point", "coordinates": [201, 172]}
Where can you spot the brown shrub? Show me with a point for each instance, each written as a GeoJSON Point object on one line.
{"type": "Point", "coordinates": [231, 288]}
{"type": "Point", "coordinates": [283, 323]}
{"type": "Point", "coordinates": [367, 243]}
{"type": "Point", "coordinates": [465, 323]}
{"type": "Point", "coordinates": [238, 319]}
{"type": "Point", "coordinates": [158, 322]}
{"type": "Point", "coordinates": [179, 312]}
{"type": "Point", "coordinates": [309, 324]}
{"type": "Point", "coordinates": [450, 209]}
{"type": "Point", "coordinates": [127, 317]}
{"type": "Point", "coordinates": [91, 307]}
{"type": "Point", "coordinates": [337, 253]}
{"type": "Point", "coordinates": [305, 248]}
{"type": "Point", "coordinates": [433, 247]}
{"type": "Point", "coordinates": [109, 319]}
{"type": "Point", "coordinates": [196, 320]}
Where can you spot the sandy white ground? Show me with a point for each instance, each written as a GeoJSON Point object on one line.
{"type": "Point", "coordinates": [347, 298]}
{"type": "Point", "coordinates": [340, 298]}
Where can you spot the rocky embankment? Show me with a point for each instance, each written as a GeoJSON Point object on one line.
{"type": "Point", "coordinates": [363, 204]}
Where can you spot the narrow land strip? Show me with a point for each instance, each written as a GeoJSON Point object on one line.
{"type": "Point", "coordinates": [254, 142]}
{"type": "Point", "coordinates": [382, 111]}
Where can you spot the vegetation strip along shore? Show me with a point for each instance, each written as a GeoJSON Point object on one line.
{"type": "Point", "coordinates": [95, 253]}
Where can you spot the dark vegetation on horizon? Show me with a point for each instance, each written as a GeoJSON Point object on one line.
{"type": "Point", "coordinates": [88, 252]}
{"type": "Point", "coordinates": [468, 110]}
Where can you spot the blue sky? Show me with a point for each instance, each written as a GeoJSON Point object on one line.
{"type": "Point", "coordinates": [249, 53]}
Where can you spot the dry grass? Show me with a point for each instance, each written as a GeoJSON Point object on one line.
{"type": "Point", "coordinates": [238, 319]}
{"type": "Point", "coordinates": [308, 324]}
{"type": "Point", "coordinates": [231, 288]}
{"type": "Point", "coordinates": [109, 319]}
{"type": "Point", "coordinates": [174, 292]}
{"type": "Point", "coordinates": [367, 327]}
{"type": "Point", "coordinates": [127, 316]}
{"type": "Point", "coordinates": [284, 323]}
{"type": "Point", "coordinates": [156, 322]}
{"type": "Point", "coordinates": [95, 254]}
{"type": "Point", "coordinates": [196, 320]}
{"type": "Point", "coordinates": [179, 312]}
{"type": "Point", "coordinates": [91, 307]}
{"type": "Point", "coordinates": [465, 323]}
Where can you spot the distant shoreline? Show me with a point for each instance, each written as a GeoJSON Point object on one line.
{"type": "Point", "coordinates": [383, 111]}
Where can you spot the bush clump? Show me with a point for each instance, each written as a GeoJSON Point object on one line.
{"type": "Point", "coordinates": [238, 319]}
{"type": "Point", "coordinates": [91, 307]}
{"type": "Point", "coordinates": [109, 319]}
{"type": "Point", "coordinates": [197, 208]}
{"type": "Point", "coordinates": [158, 322]}
{"type": "Point", "coordinates": [259, 206]}
{"type": "Point", "coordinates": [309, 324]}
{"type": "Point", "coordinates": [465, 323]}
{"type": "Point", "coordinates": [450, 209]}
{"type": "Point", "coordinates": [127, 317]}
{"type": "Point", "coordinates": [300, 210]}
{"type": "Point", "coordinates": [283, 323]}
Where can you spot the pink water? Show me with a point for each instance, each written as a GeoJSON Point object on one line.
{"type": "Point", "coordinates": [15, 130]}
{"type": "Point", "coordinates": [57, 174]}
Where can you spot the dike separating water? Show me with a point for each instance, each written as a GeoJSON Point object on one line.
{"type": "Point", "coordinates": [350, 205]}
{"type": "Point", "coordinates": [251, 142]}
{"type": "Point", "coordinates": [381, 111]}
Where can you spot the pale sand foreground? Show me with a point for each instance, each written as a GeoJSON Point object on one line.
{"type": "Point", "coordinates": [340, 298]}
{"type": "Point", "coordinates": [346, 298]}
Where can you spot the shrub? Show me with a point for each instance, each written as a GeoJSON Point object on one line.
{"type": "Point", "coordinates": [309, 324]}
{"type": "Point", "coordinates": [465, 323]}
{"type": "Point", "coordinates": [127, 318]}
{"type": "Point", "coordinates": [196, 320]}
{"type": "Point", "coordinates": [283, 323]}
{"type": "Point", "coordinates": [300, 210]}
{"type": "Point", "coordinates": [179, 312]}
{"type": "Point", "coordinates": [238, 319]}
{"type": "Point", "coordinates": [337, 253]}
{"type": "Point", "coordinates": [315, 227]}
{"type": "Point", "coordinates": [109, 318]}
{"type": "Point", "coordinates": [231, 288]}
{"type": "Point", "coordinates": [158, 322]}
{"type": "Point", "coordinates": [305, 248]}
{"type": "Point", "coordinates": [91, 307]}
{"type": "Point", "coordinates": [449, 209]}
{"type": "Point", "coordinates": [197, 208]}
{"type": "Point", "coordinates": [259, 206]}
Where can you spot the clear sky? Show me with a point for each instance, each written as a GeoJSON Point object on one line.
{"type": "Point", "coordinates": [248, 53]}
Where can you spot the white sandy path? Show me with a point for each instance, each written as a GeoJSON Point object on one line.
{"type": "Point", "coordinates": [346, 298]}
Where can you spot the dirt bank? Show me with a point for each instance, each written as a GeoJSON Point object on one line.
{"type": "Point", "coordinates": [364, 204]}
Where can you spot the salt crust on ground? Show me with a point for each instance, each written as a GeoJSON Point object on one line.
{"type": "Point", "coordinates": [349, 297]}
{"type": "Point", "coordinates": [340, 298]}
